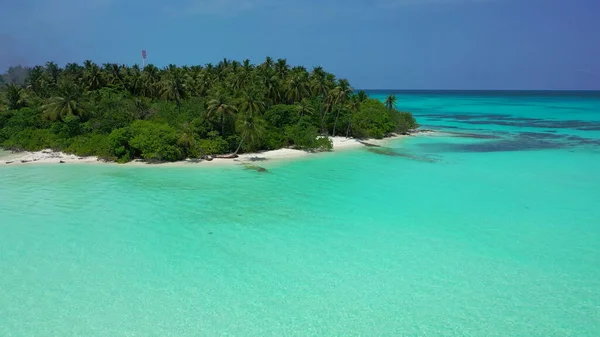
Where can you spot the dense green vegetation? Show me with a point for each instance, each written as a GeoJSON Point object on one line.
{"type": "Point", "coordinates": [121, 113]}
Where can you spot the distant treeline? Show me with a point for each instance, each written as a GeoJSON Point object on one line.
{"type": "Point", "coordinates": [121, 113]}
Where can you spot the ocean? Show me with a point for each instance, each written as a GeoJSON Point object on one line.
{"type": "Point", "coordinates": [489, 227]}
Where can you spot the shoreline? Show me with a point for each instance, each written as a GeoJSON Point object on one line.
{"type": "Point", "coordinates": [48, 156]}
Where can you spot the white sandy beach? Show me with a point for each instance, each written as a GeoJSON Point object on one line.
{"type": "Point", "coordinates": [50, 157]}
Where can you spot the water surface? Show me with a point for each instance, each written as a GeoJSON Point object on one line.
{"type": "Point", "coordinates": [489, 229]}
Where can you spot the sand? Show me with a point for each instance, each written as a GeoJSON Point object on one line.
{"type": "Point", "coordinates": [51, 157]}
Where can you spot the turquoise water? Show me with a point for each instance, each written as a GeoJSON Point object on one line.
{"type": "Point", "coordinates": [487, 230]}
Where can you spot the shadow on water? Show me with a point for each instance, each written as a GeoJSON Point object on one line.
{"type": "Point", "coordinates": [471, 135]}
{"type": "Point", "coordinates": [385, 151]}
{"type": "Point", "coordinates": [253, 159]}
{"type": "Point", "coordinates": [522, 141]}
{"type": "Point", "coordinates": [255, 168]}
{"type": "Point", "coordinates": [513, 121]}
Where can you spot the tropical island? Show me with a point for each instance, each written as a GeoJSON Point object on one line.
{"type": "Point", "coordinates": [121, 113]}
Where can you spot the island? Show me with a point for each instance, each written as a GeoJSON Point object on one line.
{"type": "Point", "coordinates": [122, 113]}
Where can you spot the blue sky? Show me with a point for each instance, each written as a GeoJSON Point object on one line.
{"type": "Point", "coordinates": [404, 44]}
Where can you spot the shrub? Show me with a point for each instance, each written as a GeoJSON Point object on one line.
{"type": "Point", "coordinates": [32, 140]}
{"type": "Point", "coordinates": [304, 136]}
{"type": "Point", "coordinates": [215, 144]}
{"type": "Point", "coordinates": [92, 145]}
{"type": "Point", "coordinates": [281, 115]}
{"type": "Point", "coordinates": [372, 120]}
{"type": "Point", "coordinates": [118, 145]}
{"type": "Point", "coordinates": [155, 141]}
{"type": "Point", "coordinates": [404, 121]}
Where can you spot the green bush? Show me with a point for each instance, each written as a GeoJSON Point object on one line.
{"type": "Point", "coordinates": [372, 120]}
{"type": "Point", "coordinates": [70, 127]}
{"type": "Point", "coordinates": [118, 145]}
{"type": "Point", "coordinates": [155, 141]}
{"type": "Point", "coordinates": [281, 115]}
{"type": "Point", "coordinates": [32, 140]}
{"type": "Point", "coordinates": [304, 136]}
{"type": "Point", "coordinates": [16, 121]}
{"type": "Point", "coordinates": [323, 144]}
{"type": "Point", "coordinates": [213, 145]}
{"type": "Point", "coordinates": [91, 145]}
{"type": "Point", "coordinates": [112, 113]}
{"type": "Point", "coordinates": [404, 121]}
{"type": "Point", "coordinates": [274, 139]}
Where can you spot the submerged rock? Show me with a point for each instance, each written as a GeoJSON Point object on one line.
{"type": "Point", "coordinates": [385, 151]}
{"type": "Point", "coordinates": [255, 168]}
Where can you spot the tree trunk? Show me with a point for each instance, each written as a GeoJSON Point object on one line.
{"type": "Point", "coordinates": [240, 146]}
{"type": "Point", "coordinates": [337, 115]}
{"type": "Point", "coordinates": [223, 124]}
{"type": "Point", "coordinates": [323, 114]}
{"type": "Point", "coordinates": [348, 129]}
{"type": "Point", "coordinates": [298, 125]}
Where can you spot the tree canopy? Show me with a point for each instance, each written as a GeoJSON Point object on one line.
{"type": "Point", "coordinates": [120, 112]}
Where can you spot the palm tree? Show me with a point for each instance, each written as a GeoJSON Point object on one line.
{"type": "Point", "coordinates": [53, 71]}
{"type": "Point", "coordinates": [304, 108]}
{"type": "Point", "coordinates": [353, 107]}
{"type": "Point", "coordinates": [390, 102]}
{"type": "Point", "coordinates": [173, 85]}
{"type": "Point", "coordinates": [247, 65]}
{"type": "Point", "coordinates": [151, 80]}
{"type": "Point", "coordinates": [68, 103]}
{"type": "Point", "coordinates": [73, 72]}
{"type": "Point", "coordinates": [36, 80]}
{"type": "Point", "coordinates": [340, 96]}
{"type": "Point", "coordinates": [92, 75]}
{"type": "Point", "coordinates": [112, 74]}
{"type": "Point", "coordinates": [220, 106]}
{"type": "Point", "coordinates": [266, 68]}
{"type": "Point", "coordinates": [319, 84]}
{"type": "Point", "coordinates": [133, 80]}
{"type": "Point", "coordinates": [251, 127]}
{"type": "Point", "coordinates": [269, 63]}
{"type": "Point", "coordinates": [273, 88]}
{"type": "Point", "coordinates": [187, 139]}
{"type": "Point", "coordinates": [15, 97]}
{"type": "Point", "coordinates": [296, 88]}
{"type": "Point", "coordinates": [281, 68]}
{"type": "Point", "coordinates": [362, 96]}
{"type": "Point", "coordinates": [251, 104]}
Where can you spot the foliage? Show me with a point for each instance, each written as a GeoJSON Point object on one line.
{"type": "Point", "coordinates": [91, 145]}
{"type": "Point", "coordinates": [404, 121]}
{"type": "Point", "coordinates": [122, 113]}
{"type": "Point", "coordinates": [215, 144]}
{"type": "Point", "coordinates": [14, 97]}
{"type": "Point", "coordinates": [118, 145]}
{"type": "Point", "coordinates": [32, 140]}
{"type": "Point", "coordinates": [372, 120]}
{"type": "Point", "coordinates": [304, 136]}
{"type": "Point", "coordinates": [155, 141]}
